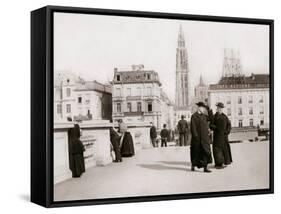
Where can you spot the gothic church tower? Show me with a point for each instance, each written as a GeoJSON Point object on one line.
{"type": "Point", "coordinates": [182, 74]}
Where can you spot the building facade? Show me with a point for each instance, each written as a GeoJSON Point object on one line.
{"type": "Point", "coordinates": [246, 99]}
{"type": "Point", "coordinates": [137, 96]}
{"type": "Point", "coordinates": [77, 99]}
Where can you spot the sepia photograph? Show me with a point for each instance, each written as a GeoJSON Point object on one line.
{"type": "Point", "coordinates": [147, 106]}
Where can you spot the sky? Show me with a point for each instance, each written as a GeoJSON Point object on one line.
{"type": "Point", "coordinates": [90, 46]}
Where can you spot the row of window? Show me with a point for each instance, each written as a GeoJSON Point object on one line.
{"type": "Point", "coordinates": [129, 91]}
{"type": "Point", "coordinates": [129, 107]}
{"type": "Point", "coordinates": [59, 108]}
{"type": "Point", "coordinates": [250, 111]}
{"type": "Point", "coordinates": [240, 99]}
{"type": "Point", "coordinates": [148, 77]}
{"type": "Point", "coordinates": [80, 100]}
{"type": "Point", "coordinates": [251, 122]}
{"type": "Point", "coordinates": [68, 109]}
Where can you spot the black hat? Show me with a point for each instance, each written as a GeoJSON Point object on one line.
{"type": "Point", "coordinates": [220, 105]}
{"type": "Point", "coordinates": [201, 104]}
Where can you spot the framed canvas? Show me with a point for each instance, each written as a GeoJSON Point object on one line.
{"type": "Point", "coordinates": [131, 106]}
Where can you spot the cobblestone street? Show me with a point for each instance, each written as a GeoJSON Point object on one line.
{"type": "Point", "coordinates": [158, 171]}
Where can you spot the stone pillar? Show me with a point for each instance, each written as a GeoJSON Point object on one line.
{"type": "Point", "coordinates": [99, 132]}
{"type": "Point", "coordinates": [61, 156]}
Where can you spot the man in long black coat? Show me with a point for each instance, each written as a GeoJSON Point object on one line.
{"type": "Point", "coordinates": [200, 150]}
{"type": "Point", "coordinates": [221, 126]}
{"type": "Point", "coordinates": [115, 141]}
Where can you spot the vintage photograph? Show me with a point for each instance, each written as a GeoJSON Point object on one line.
{"type": "Point", "coordinates": [149, 106]}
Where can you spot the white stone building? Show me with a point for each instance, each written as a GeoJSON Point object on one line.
{"type": "Point", "coordinates": [246, 99]}
{"type": "Point", "coordinates": [137, 96]}
{"type": "Point", "coordinates": [78, 99]}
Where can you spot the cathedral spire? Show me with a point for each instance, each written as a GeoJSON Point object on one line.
{"type": "Point", "coordinates": [182, 73]}
{"type": "Point", "coordinates": [201, 82]}
{"type": "Point", "coordinates": [181, 40]}
{"type": "Point", "coordinates": [231, 64]}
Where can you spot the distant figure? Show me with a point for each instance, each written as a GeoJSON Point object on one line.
{"type": "Point", "coordinates": [153, 135]}
{"type": "Point", "coordinates": [77, 163]}
{"type": "Point", "coordinates": [200, 150]}
{"type": "Point", "coordinates": [115, 139]}
{"type": "Point", "coordinates": [176, 136]}
{"type": "Point", "coordinates": [183, 131]}
{"type": "Point", "coordinates": [126, 142]}
{"type": "Point", "coordinates": [164, 136]}
{"type": "Point", "coordinates": [221, 126]}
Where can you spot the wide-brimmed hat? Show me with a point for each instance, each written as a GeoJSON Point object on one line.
{"type": "Point", "coordinates": [201, 104]}
{"type": "Point", "coordinates": [220, 105]}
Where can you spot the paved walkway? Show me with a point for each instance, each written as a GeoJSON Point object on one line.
{"type": "Point", "coordinates": [159, 171]}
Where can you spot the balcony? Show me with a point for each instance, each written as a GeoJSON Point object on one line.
{"type": "Point", "coordinates": [133, 98]}
{"type": "Point", "coordinates": [134, 113]}
{"type": "Point", "coordinates": [150, 97]}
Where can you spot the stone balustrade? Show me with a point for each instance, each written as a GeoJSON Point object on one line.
{"type": "Point", "coordinates": [96, 140]}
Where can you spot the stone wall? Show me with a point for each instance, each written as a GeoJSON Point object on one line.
{"type": "Point", "coordinates": [96, 140]}
{"type": "Point", "coordinates": [61, 157]}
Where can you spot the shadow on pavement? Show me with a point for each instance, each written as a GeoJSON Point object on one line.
{"type": "Point", "coordinates": [162, 167]}
{"type": "Point", "coordinates": [184, 163]}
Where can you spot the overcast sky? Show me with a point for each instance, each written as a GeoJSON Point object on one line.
{"type": "Point", "coordinates": [92, 45]}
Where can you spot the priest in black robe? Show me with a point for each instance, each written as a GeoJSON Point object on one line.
{"type": "Point", "coordinates": [221, 126]}
{"type": "Point", "coordinates": [77, 163]}
{"type": "Point", "coordinates": [200, 150]}
{"type": "Point", "coordinates": [115, 141]}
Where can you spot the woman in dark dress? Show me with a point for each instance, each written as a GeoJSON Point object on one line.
{"type": "Point", "coordinates": [127, 147]}
{"type": "Point", "coordinates": [126, 142]}
{"type": "Point", "coordinates": [77, 163]}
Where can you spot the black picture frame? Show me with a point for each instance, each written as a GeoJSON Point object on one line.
{"type": "Point", "coordinates": [42, 105]}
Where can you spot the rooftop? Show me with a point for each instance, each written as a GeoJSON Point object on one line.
{"type": "Point", "coordinates": [136, 75]}
{"type": "Point", "coordinates": [242, 82]}
{"type": "Point", "coordinates": [93, 86]}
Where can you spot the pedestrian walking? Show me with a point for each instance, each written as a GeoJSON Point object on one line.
{"type": "Point", "coordinates": [200, 150]}
{"type": "Point", "coordinates": [164, 136]}
{"type": "Point", "coordinates": [183, 131]}
{"type": "Point", "coordinates": [153, 135]}
{"type": "Point", "coordinates": [221, 126]}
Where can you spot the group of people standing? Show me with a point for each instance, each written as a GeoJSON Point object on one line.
{"type": "Point", "coordinates": [200, 150]}
{"type": "Point", "coordinates": [202, 121]}
{"type": "Point", "coordinates": [121, 141]}
{"type": "Point", "coordinates": [164, 134]}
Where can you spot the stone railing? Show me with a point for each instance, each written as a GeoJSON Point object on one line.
{"type": "Point", "coordinates": [96, 140]}
{"type": "Point", "coordinates": [61, 155]}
